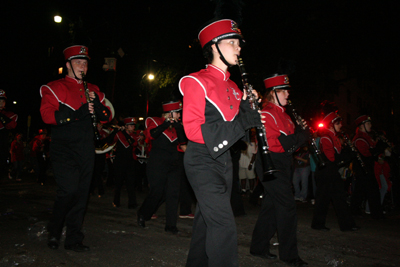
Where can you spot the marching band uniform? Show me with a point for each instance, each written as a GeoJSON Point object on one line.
{"type": "Point", "coordinates": [164, 167]}
{"type": "Point", "coordinates": [8, 121]}
{"type": "Point", "coordinates": [329, 183]}
{"type": "Point", "coordinates": [213, 123]}
{"type": "Point", "coordinates": [39, 155]}
{"type": "Point", "coordinates": [366, 186]}
{"type": "Point", "coordinates": [17, 156]}
{"type": "Point", "coordinates": [278, 211]}
{"type": "Point", "coordinates": [72, 149]}
{"type": "Point", "coordinates": [124, 164]}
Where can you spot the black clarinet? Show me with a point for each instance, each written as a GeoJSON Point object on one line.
{"type": "Point", "coordinates": [97, 136]}
{"type": "Point", "coordinates": [316, 150]}
{"type": "Point", "coordinates": [353, 148]}
{"type": "Point", "coordinates": [267, 164]}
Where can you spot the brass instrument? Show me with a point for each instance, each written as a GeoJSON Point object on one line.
{"type": "Point", "coordinates": [317, 151]}
{"type": "Point", "coordinates": [354, 149]}
{"type": "Point", "coordinates": [267, 163]}
{"type": "Point", "coordinates": [97, 136]}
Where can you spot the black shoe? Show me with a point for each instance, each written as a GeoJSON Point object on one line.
{"type": "Point", "coordinates": [141, 221]}
{"type": "Point", "coordinates": [352, 229]}
{"type": "Point", "coordinates": [172, 229]}
{"type": "Point", "coordinates": [323, 228]}
{"type": "Point", "coordinates": [78, 247]}
{"type": "Point", "coordinates": [296, 263]}
{"type": "Point", "coordinates": [267, 255]}
{"type": "Point", "coordinates": [53, 243]}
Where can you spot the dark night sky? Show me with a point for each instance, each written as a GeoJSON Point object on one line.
{"type": "Point", "coordinates": [306, 39]}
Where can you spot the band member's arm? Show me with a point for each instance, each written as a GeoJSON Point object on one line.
{"type": "Point", "coordinates": [9, 122]}
{"type": "Point", "coordinates": [102, 111]}
{"type": "Point", "coordinates": [156, 130]}
{"type": "Point", "coordinates": [327, 148]}
{"type": "Point", "coordinates": [278, 141]}
{"type": "Point", "coordinates": [362, 147]}
{"type": "Point", "coordinates": [55, 112]}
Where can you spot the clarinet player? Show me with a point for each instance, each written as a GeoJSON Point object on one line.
{"type": "Point", "coordinates": [215, 116]}
{"type": "Point", "coordinates": [64, 106]}
{"type": "Point", "coordinates": [278, 211]}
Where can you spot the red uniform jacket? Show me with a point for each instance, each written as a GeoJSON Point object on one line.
{"type": "Point", "coordinates": [329, 144]}
{"type": "Point", "coordinates": [363, 142]}
{"type": "Point", "coordinates": [129, 146]}
{"type": "Point", "coordinates": [68, 91]}
{"type": "Point", "coordinates": [17, 151]}
{"type": "Point", "coordinates": [210, 104]}
{"type": "Point", "coordinates": [13, 117]}
{"type": "Point", "coordinates": [277, 122]}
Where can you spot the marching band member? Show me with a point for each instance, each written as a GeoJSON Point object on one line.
{"type": "Point", "coordinates": [366, 186]}
{"type": "Point", "coordinates": [65, 108]}
{"type": "Point", "coordinates": [329, 183]}
{"type": "Point", "coordinates": [124, 162]}
{"type": "Point", "coordinates": [165, 165]}
{"type": "Point", "coordinates": [8, 121]}
{"type": "Point", "coordinates": [40, 155]}
{"type": "Point", "coordinates": [278, 211]}
{"type": "Point", "coordinates": [214, 118]}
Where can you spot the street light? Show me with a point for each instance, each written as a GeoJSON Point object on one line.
{"type": "Point", "coordinates": [57, 19]}
{"type": "Point", "coordinates": [150, 77]}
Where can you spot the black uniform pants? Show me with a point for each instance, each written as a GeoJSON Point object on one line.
{"type": "Point", "coordinates": [214, 237]}
{"type": "Point", "coordinates": [366, 188]}
{"type": "Point", "coordinates": [330, 186]}
{"type": "Point", "coordinates": [97, 181]}
{"type": "Point", "coordinates": [278, 213]}
{"type": "Point", "coordinates": [186, 197]}
{"type": "Point", "coordinates": [73, 167]}
{"type": "Point", "coordinates": [164, 173]}
{"type": "Point", "coordinates": [124, 170]}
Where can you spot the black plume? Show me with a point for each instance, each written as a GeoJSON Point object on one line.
{"type": "Point", "coordinates": [229, 9]}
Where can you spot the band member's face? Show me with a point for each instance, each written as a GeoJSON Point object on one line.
{"type": "Point", "coordinates": [368, 126]}
{"type": "Point", "coordinates": [283, 96]}
{"type": "Point", "coordinates": [176, 115]}
{"type": "Point", "coordinates": [230, 48]}
{"type": "Point", "coordinates": [130, 128]}
{"type": "Point", "coordinates": [79, 65]}
{"type": "Point", "coordinates": [337, 125]}
{"type": "Point", "coordinates": [2, 103]}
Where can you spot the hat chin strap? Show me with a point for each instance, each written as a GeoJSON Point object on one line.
{"type": "Point", "coordinates": [70, 63]}
{"type": "Point", "coordinates": [277, 98]}
{"type": "Point", "coordinates": [222, 56]}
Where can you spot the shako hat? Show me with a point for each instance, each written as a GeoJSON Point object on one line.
{"type": "Point", "coordinates": [331, 118]}
{"type": "Point", "coordinates": [362, 119]}
{"type": "Point", "coordinates": [218, 30]}
{"type": "Point", "coordinates": [76, 51]}
{"type": "Point", "coordinates": [172, 106]}
{"type": "Point", "coordinates": [3, 94]}
{"type": "Point", "coordinates": [277, 81]}
{"type": "Point", "coordinates": [129, 121]}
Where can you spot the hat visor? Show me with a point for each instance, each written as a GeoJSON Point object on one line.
{"type": "Point", "coordinates": [79, 57]}
{"type": "Point", "coordinates": [280, 87]}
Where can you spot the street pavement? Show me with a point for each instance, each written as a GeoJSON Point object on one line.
{"type": "Point", "coordinates": [115, 239]}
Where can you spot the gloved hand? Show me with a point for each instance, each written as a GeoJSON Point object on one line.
{"type": "Point", "coordinates": [249, 119]}
{"type": "Point", "coordinates": [66, 115]}
{"type": "Point", "coordinates": [4, 119]}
